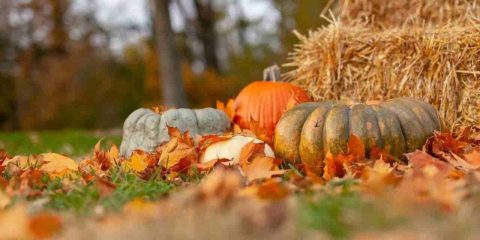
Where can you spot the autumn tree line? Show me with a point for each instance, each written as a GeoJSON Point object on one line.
{"type": "Point", "coordinates": [58, 69]}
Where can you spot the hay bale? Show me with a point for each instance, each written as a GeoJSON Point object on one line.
{"type": "Point", "coordinates": [386, 14]}
{"type": "Point", "coordinates": [439, 65]}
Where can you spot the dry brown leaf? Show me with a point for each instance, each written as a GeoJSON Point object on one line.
{"type": "Point", "coordinates": [105, 187]}
{"type": "Point", "coordinates": [174, 152]}
{"type": "Point", "coordinates": [261, 168]}
{"type": "Point", "coordinates": [219, 187]}
{"type": "Point", "coordinates": [473, 158]}
{"type": "Point", "coordinates": [379, 176]}
{"type": "Point", "coordinates": [250, 151]}
{"type": "Point", "coordinates": [422, 162]}
{"type": "Point", "coordinates": [273, 190]}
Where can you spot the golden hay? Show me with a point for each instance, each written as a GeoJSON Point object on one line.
{"type": "Point", "coordinates": [441, 66]}
{"type": "Point", "coordinates": [389, 13]}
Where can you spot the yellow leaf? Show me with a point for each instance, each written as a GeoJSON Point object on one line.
{"type": "Point", "coordinates": [19, 162]}
{"type": "Point", "coordinates": [113, 154]}
{"type": "Point", "coordinates": [138, 162]}
{"type": "Point", "coordinates": [55, 163]}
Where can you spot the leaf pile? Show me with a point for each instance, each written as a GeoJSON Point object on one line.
{"type": "Point", "coordinates": [131, 197]}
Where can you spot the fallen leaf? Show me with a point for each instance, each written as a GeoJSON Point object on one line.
{"type": "Point", "coordinates": [174, 152]}
{"type": "Point", "coordinates": [3, 157]}
{"type": "Point", "coordinates": [184, 138]}
{"type": "Point", "coordinates": [105, 187]}
{"type": "Point", "coordinates": [160, 109]}
{"type": "Point", "coordinates": [56, 164]}
{"type": "Point", "coordinates": [138, 161]}
{"type": "Point", "coordinates": [379, 176]}
{"type": "Point", "coordinates": [473, 158]}
{"type": "Point", "coordinates": [422, 161]}
{"type": "Point", "coordinates": [228, 108]}
{"type": "Point", "coordinates": [261, 168]}
{"type": "Point", "coordinates": [44, 225]}
{"type": "Point", "coordinates": [19, 162]}
{"type": "Point", "coordinates": [206, 166]}
{"type": "Point", "coordinates": [219, 187]}
{"type": "Point", "coordinates": [349, 162]}
{"type": "Point", "coordinates": [250, 151]}
{"type": "Point", "coordinates": [262, 133]}
{"type": "Point", "coordinates": [272, 190]}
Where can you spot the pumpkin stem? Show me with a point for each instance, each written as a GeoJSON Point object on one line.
{"type": "Point", "coordinates": [272, 73]}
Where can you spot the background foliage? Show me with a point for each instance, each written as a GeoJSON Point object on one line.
{"type": "Point", "coordinates": [60, 65]}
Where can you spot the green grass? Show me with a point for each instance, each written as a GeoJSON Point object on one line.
{"type": "Point", "coordinates": [70, 142]}
{"type": "Point", "coordinates": [340, 211]}
{"type": "Point", "coordinates": [83, 199]}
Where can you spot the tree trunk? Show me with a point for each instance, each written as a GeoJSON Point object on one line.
{"type": "Point", "coordinates": [171, 76]}
{"type": "Point", "coordinates": [207, 32]}
{"type": "Point", "coordinates": [58, 32]}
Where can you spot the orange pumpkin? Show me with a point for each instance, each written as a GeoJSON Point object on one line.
{"type": "Point", "coordinates": [263, 103]}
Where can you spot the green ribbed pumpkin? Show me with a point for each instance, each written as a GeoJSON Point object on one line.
{"type": "Point", "coordinates": [309, 131]}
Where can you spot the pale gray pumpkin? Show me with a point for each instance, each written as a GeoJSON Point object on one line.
{"type": "Point", "coordinates": [145, 129]}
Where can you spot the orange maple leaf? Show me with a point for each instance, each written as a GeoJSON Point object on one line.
{"type": "Point", "coordinates": [228, 108]}
{"type": "Point", "coordinates": [272, 189]}
{"type": "Point", "coordinates": [338, 165]}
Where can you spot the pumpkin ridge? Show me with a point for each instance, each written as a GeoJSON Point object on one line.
{"type": "Point", "coordinates": [411, 128]}
{"type": "Point", "coordinates": [431, 112]}
{"type": "Point", "coordinates": [397, 148]}
{"type": "Point", "coordinates": [406, 107]}
{"type": "Point", "coordinates": [311, 144]}
{"type": "Point", "coordinates": [337, 130]}
{"type": "Point", "coordinates": [150, 123]}
{"type": "Point", "coordinates": [422, 116]}
{"type": "Point", "coordinates": [373, 134]}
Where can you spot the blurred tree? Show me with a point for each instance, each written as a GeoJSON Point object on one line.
{"type": "Point", "coordinates": [171, 76]}
{"type": "Point", "coordinates": [58, 33]}
{"type": "Point", "coordinates": [206, 20]}
{"type": "Point", "coordinates": [58, 67]}
{"type": "Point", "coordinates": [7, 49]}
